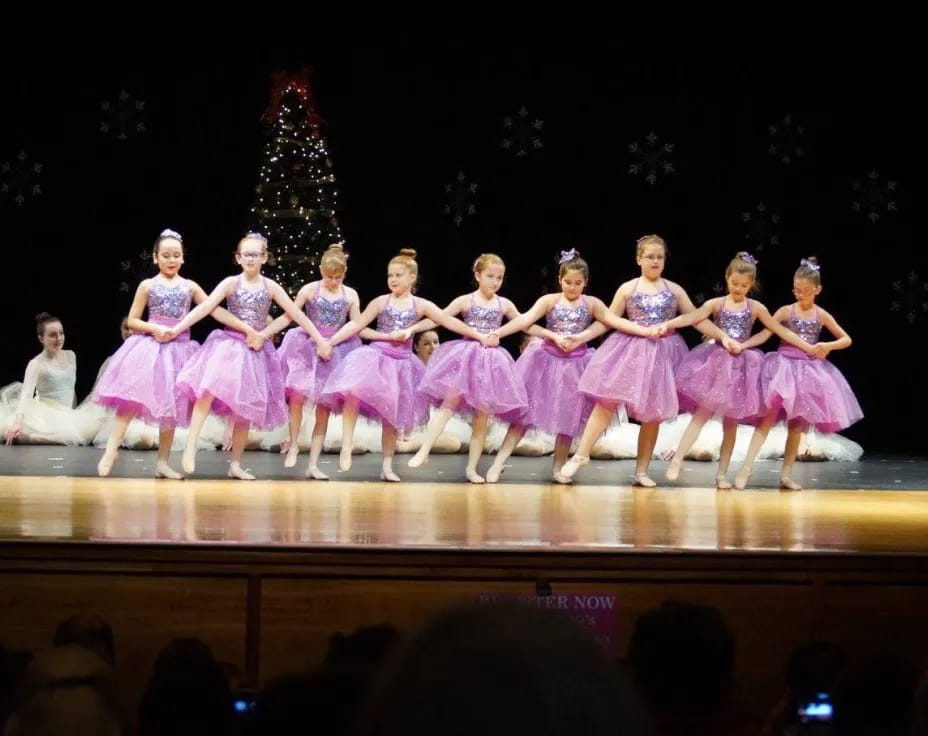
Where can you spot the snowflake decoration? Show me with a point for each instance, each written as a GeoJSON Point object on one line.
{"type": "Point", "coordinates": [522, 135]}
{"type": "Point", "coordinates": [911, 297]}
{"type": "Point", "coordinates": [650, 158]}
{"type": "Point", "coordinates": [874, 196]}
{"type": "Point", "coordinates": [787, 140]}
{"type": "Point", "coordinates": [123, 117]}
{"type": "Point", "coordinates": [461, 195]}
{"type": "Point", "coordinates": [718, 288]}
{"type": "Point", "coordinates": [699, 298]}
{"type": "Point", "coordinates": [761, 225]}
{"type": "Point", "coordinates": [19, 179]}
{"type": "Point", "coordinates": [135, 270]}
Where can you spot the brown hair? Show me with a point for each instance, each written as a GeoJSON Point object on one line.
{"type": "Point", "coordinates": [743, 263]}
{"type": "Point", "coordinates": [575, 263]}
{"type": "Point", "coordinates": [166, 234]}
{"type": "Point", "coordinates": [41, 320]}
{"type": "Point", "coordinates": [809, 270]}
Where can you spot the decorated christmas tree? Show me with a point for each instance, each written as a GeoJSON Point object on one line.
{"type": "Point", "coordinates": [296, 196]}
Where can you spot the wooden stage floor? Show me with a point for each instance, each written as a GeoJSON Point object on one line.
{"type": "Point", "coordinates": [876, 506]}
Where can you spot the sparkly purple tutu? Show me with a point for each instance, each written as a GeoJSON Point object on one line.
{"type": "Point", "coordinates": [304, 372]}
{"type": "Point", "coordinates": [812, 391]}
{"type": "Point", "coordinates": [484, 378]}
{"type": "Point", "coordinates": [551, 378]}
{"type": "Point", "coordinates": [384, 377]}
{"type": "Point", "coordinates": [725, 384]}
{"type": "Point", "coordinates": [245, 384]}
{"type": "Point", "coordinates": [639, 373]}
{"type": "Point", "coordinates": [141, 377]}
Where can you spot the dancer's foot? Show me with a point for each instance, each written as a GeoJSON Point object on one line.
{"type": "Point", "coordinates": [290, 460]}
{"type": "Point", "coordinates": [237, 471]}
{"type": "Point", "coordinates": [106, 464]}
{"type": "Point", "coordinates": [493, 473]}
{"type": "Point", "coordinates": [722, 483]}
{"type": "Point", "coordinates": [741, 480]}
{"type": "Point", "coordinates": [344, 459]}
{"type": "Point", "coordinates": [474, 477]}
{"type": "Point", "coordinates": [573, 465]}
{"type": "Point", "coordinates": [313, 472]}
{"type": "Point", "coordinates": [673, 470]}
{"type": "Point", "coordinates": [642, 480]}
{"type": "Point", "coordinates": [419, 460]}
{"type": "Point", "coordinates": [163, 470]}
{"type": "Point", "coordinates": [788, 484]}
{"type": "Point", "coordinates": [189, 461]}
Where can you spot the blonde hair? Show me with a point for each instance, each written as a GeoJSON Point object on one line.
{"type": "Point", "coordinates": [334, 259]}
{"type": "Point", "coordinates": [809, 270]}
{"type": "Point", "coordinates": [485, 260]}
{"type": "Point", "coordinates": [646, 240]}
{"type": "Point", "coordinates": [252, 236]}
{"type": "Point", "coordinates": [407, 258]}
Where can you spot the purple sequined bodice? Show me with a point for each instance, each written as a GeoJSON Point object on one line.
{"type": "Point", "coordinates": [392, 319]}
{"type": "Point", "coordinates": [737, 325]}
{"type": "Point", "coordinates": [168, 302]}
{"type": "Point", "coordinates": [566, 320]}
{"type": "Point", "coordinates": [250, 306]}
{"type": "Point", "coordinates": [807, 329]}
{"type": "Point", "coordinates": [328, 316]}
{"type": "Point", "coordinates": [651, 309]}
{"type": "Point", "coordinates": [483, 319]}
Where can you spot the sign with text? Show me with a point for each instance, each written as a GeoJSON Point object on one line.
{"type": "Point", "coordinates": [596, 612]}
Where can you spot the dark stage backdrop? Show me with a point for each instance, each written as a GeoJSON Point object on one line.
{"type": "Point", "coordinates": [463, 150]}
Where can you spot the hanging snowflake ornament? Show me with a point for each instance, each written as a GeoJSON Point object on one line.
{"type": "Point", "coordinates": [874, 197]}
{"type": "Point", "coordinates": [521, 133]}
{"type": "Point", "coordinates": [911, 297]}
{"type": "Point", "coordinates": [123, 117]}
{"type": "Point", "coordinates": [761, 226]}
{"type": "Point", "coordinates": [651, 158]}
{"type": "Point", "coordinates": [135, 270]}
{"type": "Point", "coordinates": [19, 179]}
{"type": "Point", "coordinates": [718, 288]}
{"type": "Point", "coordinates": [699, 298]}
{"type": "Point", "coordinates": [461, 195]}
{"type": "Point", "coordinates": [787, 140]}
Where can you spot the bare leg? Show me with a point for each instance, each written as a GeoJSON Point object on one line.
{"type": "Point", "coordinates": [690, 435]}
{"type": "Point", "coordinates": [162, 469]}
{"type": "Point", "coordinates": [349, 420]}
{"type": "Point", "coordinates": [757, 440]}
{"type": "Point", "coordinates": [435, 428]}
{"type": "Point", "coordinates": [729, 435]}
{"type": "Point", "coordinates": [315, 448]}
{"type": "Point", "coordinates": [793, 436]}
{"type": "Point", "coordinates": [388, 448]}
{"type": "Point", "coordinates": [200, 412]}
{"type": "Point", "coordinates": [647, 438]}
{"type": "Point", "coordinates": [296, 421]}
{"type": "Point", "coordinates": [239, 438]}
{"type": "Point", "coordinates": [112, 444]}
{"type": "Point", "coordinates": [597, 423]}
{"type": "Point", "coordinates": [476, 447]}
{"type": "Point", "coordinates": [513, 435]}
